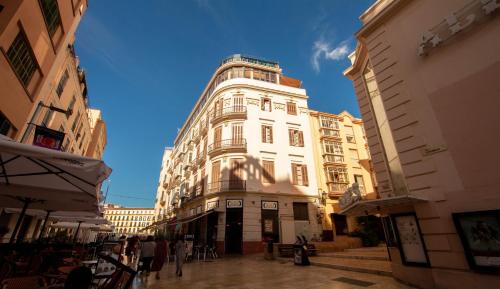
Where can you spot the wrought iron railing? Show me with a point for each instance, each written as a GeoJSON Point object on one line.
{"type": "Point", "coordinates": [228, 144]}
{"type": "Point", "coordinates": [227, 186]}
{"type": "Point", "coordinates": [226, 111]}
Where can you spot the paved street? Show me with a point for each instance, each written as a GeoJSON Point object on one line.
{"type": "Point", "coordinates": [255, 272]}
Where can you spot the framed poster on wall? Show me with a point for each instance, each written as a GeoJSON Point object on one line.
{"type": "Point", "coordinates": [409, 239]}
{"type": "Point", "coordinates": [480, 235]}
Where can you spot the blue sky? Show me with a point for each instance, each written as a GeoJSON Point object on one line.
{"type": "Point", "coordinates": [148, 61]}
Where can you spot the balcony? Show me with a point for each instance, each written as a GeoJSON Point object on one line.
{"type": "Point", "coordinates": [333, 160]}
{"type": "Point", "coordinates": [330, 134]}
{"type": "Point", "coordinates": [226, 113]}
{"type": "Point", "coordinates": [227, 146]}
{"type": "Point", "coordinates": [227, 186]}
{"type": "Point", "coordinates": [336, 190]}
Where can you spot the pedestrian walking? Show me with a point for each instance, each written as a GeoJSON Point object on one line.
{"type": "Point", "coordinates": [147, 254]}
{"type": "Point", "coordinates": [180, 254]}
{"type": "Point", "coordinates": [161, 253]}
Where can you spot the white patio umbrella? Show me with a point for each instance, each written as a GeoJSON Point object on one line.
{"type": "Point", "coordinates": [48, 180]}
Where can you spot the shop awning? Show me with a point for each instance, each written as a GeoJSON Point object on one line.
{"type": "Point", "coordinates": [377, 206]}
{"type": "Point", "coordinates": [175, 221]}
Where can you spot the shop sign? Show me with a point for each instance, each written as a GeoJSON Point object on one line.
{"type": "Point", "coordinates": [473, 13]}
{"type": "Point", "coordinates": [198, 209]}
{"type": "Point", "coordinates": [212, 205]}
{"type": "Point", "coordinates": [232, 204]}
{"type": "Point", "coordinates": [48, 138]}
{"type": "Point", "coordinates": [269, 205]}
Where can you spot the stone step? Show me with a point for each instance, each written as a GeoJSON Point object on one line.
{"type": "Point", "coordinates": [378, 267]}
{"type": "Point", "coordinates": [368, 249]}
{"type": "Point", "coordinates": [369, 255]}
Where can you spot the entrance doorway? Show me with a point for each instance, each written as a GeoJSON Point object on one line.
{"type": "Point", "coordinates": [340, 224]}
{"type": "Point", "coordinates": [212, 220]}
{"type": "Point", "coordinates": [270, 221]}
{"type": "Point", "coordinates": [234, 231]}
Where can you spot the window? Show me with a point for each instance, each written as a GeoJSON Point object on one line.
{"type": "Point", "coordinates": [265, 104]}
{"type": "Point", "coordinates": [267, 133]}
{"type": "Point", "coordinates": [361, 183]}
{"type": "Point", "coordinates": [296, 137]}
{"type": "Point", "coordinates": [268, 172]}
{"type": "Point", "coordinates": [6, 127]}
{"type": "Point", "coordinates": [75, 121]}
{"type": "Point", "coordinates": [349, 134]}
{"type": "Point", "coordinates": [71, 105]}
{"type": "Point", "coordinates": [329, 122]}
{"type": "Point", "coordinates": [1, 8]}
{"type": "Point", "coordinates": [354, 155]}
{"type": "Point", "coordinates": [62, 83]}
{"type": "Point", "coordinates": [300, 212]}
{"type": "Point", "coordinates": [50, 13]}
{"type": "Point", "coordinates": [299, 175]}
{"type": "Point", "coordinates": [331, 147]}
{"type": "Point", "coordinates": [291, 108]}
{"type": "Point", "coordinates": [21, 58]}
{"type": "Point", "coordinates": [337, 175]}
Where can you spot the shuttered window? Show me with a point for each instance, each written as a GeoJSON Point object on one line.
{"type": "Point", "coordinates": [300, 212]}
{"type": "Point", "coordinates": [268, 172]}
{"type": "Point", "coordinates": [267, 133]}
{"type": "Point", "coordinates": [291, 108]}
{"type": "Point", "coordinates": [21, 58]}
{"type": "Point", "coordinates": [299, 175]}
{"type": "Point", "coordinates": [296, 137]}
{"type": "Point", "coordinates": [265, 104]}
{"type": "Point", "coordinates": [50, 13]}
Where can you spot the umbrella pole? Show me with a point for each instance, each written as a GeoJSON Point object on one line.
{"type": "Point", "coordinates": [44, 225]}
{"type": "Point", "coordinates": [76, 233]}
{"type": "Point", "coordinates": [19, 221]}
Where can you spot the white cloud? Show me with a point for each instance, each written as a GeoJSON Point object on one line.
{"type": "Point", "coordinates": [322, 49]}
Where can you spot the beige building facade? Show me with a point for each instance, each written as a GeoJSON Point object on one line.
{"type": "Point", "coordinates": [98, 138]}
{"type": "Point", "coordinates": [341, 159]}
{"type": "Point", "coordinates": [426, 76]}
{"type": "Point", "coordinates": [129, 221]}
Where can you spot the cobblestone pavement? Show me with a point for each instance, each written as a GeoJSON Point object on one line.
{"type": "Point", "coordinates": [254, 272]}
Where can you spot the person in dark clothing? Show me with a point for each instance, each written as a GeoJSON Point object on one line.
{"type": "Point", "coordinates": [79, 278]}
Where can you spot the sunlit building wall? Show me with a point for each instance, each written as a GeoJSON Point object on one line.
{"type": "Point", "coordinates": [242, 166]}
{"type": "Point", "coordinates": [426, 76]}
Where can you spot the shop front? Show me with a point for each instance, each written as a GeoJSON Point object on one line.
{"type": "Point", "coordinates": [270, 221]}
{"type": "Point", "coordinates": [234, 227]}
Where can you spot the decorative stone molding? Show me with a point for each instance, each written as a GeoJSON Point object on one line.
{"type": "Point", "coordinates": [252, 101]}
{"type": "Point", "coordinates": [473, 13]}
{"type": "Point", "coordinates": [304, 110]}
{"type": "Point", "coordinates": [279, 106]}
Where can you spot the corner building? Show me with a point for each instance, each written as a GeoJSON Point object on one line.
{"type": "Point", "coordinates": [242, 168]}
{"type": "Point", "coordinates": [426, 76]}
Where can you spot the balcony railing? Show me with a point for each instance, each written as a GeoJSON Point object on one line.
{"type": "Point", "coordinates": [231, 112]}
{"type": "Point", "coordinates": [326, 132]}
{"type": "Point", "coordinates": [227, 145]}
{"type": "Point", "coordinates": [227, 186]}
{"type": "Point", "coordinates": [333, 159]}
